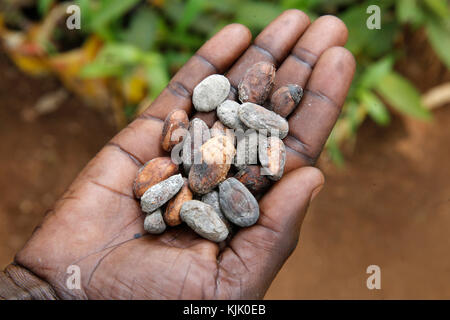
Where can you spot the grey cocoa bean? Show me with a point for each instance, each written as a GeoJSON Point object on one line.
{"type": "Point", "coordinates": [160, 193]}
{"type": "Point", "coordinates": [204, 220]}
{"type": "Point", "coordinates": [154, 222]}
{"type": "Point", "coordinates": [246, 148]}
{"type": "Point", "coordinates": [237, 203]}
{"type": "Point", "coordinates": [212, 198]}
{"type": "Point", "coordinates": [227, 112]}
{"type": "Point", "coordinates": [210, 93]}
{"type": "Point", "coordinates": [259, 118]}
{"type": "Point", "coordinates": [198, 134]}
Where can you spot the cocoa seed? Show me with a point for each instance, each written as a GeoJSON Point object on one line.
{"type": "Point", "coordinates": [252, 178]}
{"type": "Point", "coordinates": [218, 150]}
{"type": "Point", "coordinates": [153, 172]}
{"type": "Point", "coordinates": [160, 193]}
{"type": "Point", "coordinates": [218, 129]}
{"type": "Point", "coordinates": [217, 154]}
{"type": "Point", "coordinates": [172, 213]}
{"type": "Point", "coordinates": [204, 220]}
{"type": "Point", "coordinates": [175, 120]}
{"type": "Point", "coordinates": [204, 177]}
{"type": "Point", "coordinates": [154, 223]}
{"type": "Point", "coordinates": [212, 198]}
{"type": "Point", "coordinates": [259, 118]}
{"type": "Point", "coordinates": [210, 92]}
{"type": "Point", "coordinates": [227, 113]}
{"type": "Point", "coordinates": [285, 99]}
{"type": "Point", "coordinates": [272, 158]}
{"type": "Point", "coordinates": [198, 134]}
{"type": "Point", "coordinates": [246, 149]}
{"type": "Point", "coordinates": [237, 203]}
{"type": "Point", "coordinates": [257, 83]}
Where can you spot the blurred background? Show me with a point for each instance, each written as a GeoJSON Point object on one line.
{"type": "Point", "coordinates": [64, 93]}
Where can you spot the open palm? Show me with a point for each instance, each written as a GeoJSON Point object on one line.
{"type": "Point", "coordinates": [98, 225]}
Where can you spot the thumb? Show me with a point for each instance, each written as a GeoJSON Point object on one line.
{"type": "Point", "coordinates": [256, 254]}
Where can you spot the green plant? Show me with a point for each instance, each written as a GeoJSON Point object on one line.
{"type": "Point", "coordinates": [375, 53]}
{"type": "Point", "coordinates": [157, 37]}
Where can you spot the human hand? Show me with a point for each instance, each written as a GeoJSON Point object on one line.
{"type": "Point", "coordinates": [98, 225]}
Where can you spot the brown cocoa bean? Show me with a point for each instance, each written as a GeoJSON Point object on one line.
{"type": "Point", "coordinates": [177, 119]}
{"type": "Point", "coordinates": [218, 129]}
{"type": "Point", "coordinates": [217, 154]}
{"type": "Point", "coordinates": [272, 158]}
{"type": "Point", "coordinates": [153, 172]}
{"type": "Point", "coordinates": [251, 178]}
{"type": "Point", "coordinates": [237, 203]}
{"type": "Point", "coordinates": [219, 150]}
{"type": "Point", "coordinates": [257, 83]}
{"type": "Point", "coordinates": [285, 99]}
{"type": "Point", "coordinates": [172, 213]}
{"type": "Point", "coordinates": [204, 177]}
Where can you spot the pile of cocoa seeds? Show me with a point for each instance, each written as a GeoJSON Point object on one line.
{"type": "Point", "coordinates": [215, 175]}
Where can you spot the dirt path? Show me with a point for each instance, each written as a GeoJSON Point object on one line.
{"type": "Point", "coordinates": [390, 206]}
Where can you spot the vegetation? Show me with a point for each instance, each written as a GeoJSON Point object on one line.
{"type": "Point", "coordinates": [145, 42]}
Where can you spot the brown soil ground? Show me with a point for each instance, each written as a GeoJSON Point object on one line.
{"type": "Point", "coordinates": [38, 158]}
{"type": "Point", "coordinates": [389, 206]}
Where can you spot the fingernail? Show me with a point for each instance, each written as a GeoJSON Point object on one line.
{"type": "Point", "coordinates": [316, 191]}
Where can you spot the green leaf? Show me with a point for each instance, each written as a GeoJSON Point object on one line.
{"type": "Point", "coordinates": [334, 152]}
{"type": "Point", "coordinates": [175, 59]}
{"type": "Point", "coordinates": [101, 70]}
{"type": "Point", "coordinates": [130, 111]}
{"type": "Point", "coordinates": [355, 20]}
{"type": "Point", "coordinates": [364, 41]}
{"type": "Point", "coordinates": [157, 74]}
{"type": "Point", "coordinates": [375, 107]}
{"type": "Point", "coordinates": [87, 12]}
{"type": "Point", "coordinates": [256, 15]}
{"type": "Point", "coordinates": [409, 11]}
{"type": "Point", "coordinates": [223, 7]}
{"type": "Point", "coordinates": [142, 30]}
{"type": "Point", "coordinates": [438, 7]}
{"type": "Point", "coordinates": [116, 53]}
{"type": "Point", "coordinates": [111, 10]}
{"type": "Point", "coordinates": [381, 41]}
{"type": "Point", "coordinates": [355, 114]}
{"type": "Point", "coordinates": [402, 95]}
{"type": "Point", "coordinates": [191, 11]}
{"type": "Point", "coordinates": [439, 38]}
{"type": "Point", "coordinates": [113, 60]}
{"type": "Point", "coordinates": [375, 72]}
{"type": "Point", "coordinates": [304, 5]}
{"type": "Point", "coordinates": [44, 6]}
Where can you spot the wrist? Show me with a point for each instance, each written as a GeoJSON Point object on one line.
{"type": "Point", "coordinates": [18, 283]}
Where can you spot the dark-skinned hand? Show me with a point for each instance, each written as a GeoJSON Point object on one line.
{"type": "Point", "coordinates": [98, 225]}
